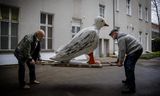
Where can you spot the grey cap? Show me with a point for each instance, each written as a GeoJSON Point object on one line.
{"type": "Point", "coordinates": [114, 30]}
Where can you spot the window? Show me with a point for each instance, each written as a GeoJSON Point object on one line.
{"type": "Point", "coordinates": [128, 7]}
{"type": "Point", "coordinates": [146, 41]}
{"type": "Point", "coordinates": [140, 37]}
{"type": "Point", "coordinates": [46, 21]}
{"type": "Point", "coordinates": [146, 14]}
{"type": "Point", "coordinates": [117, 5]}
{"type": "Point", "coordinates": [130, 28]}
{"type": "Point", "coordinates": [76, 25]}
{"type": "Point", "coordinates": [8, 27]}
{"type": "Point", "coordinates": [102, 10]}
{"type": "Point", "coordinates": [140, 12]}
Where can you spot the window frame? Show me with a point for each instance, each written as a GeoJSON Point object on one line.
{"type": "Point", "coordinates": [76, 23]}
{"type": "Point", "coordinates": [129, 7]}
{"type": "Point", "coordinates": [102, 10]}
{"type": "Point", "coordinates": [146, 41]}
{"type": "Point", "coordinates": [140, 15]}
{"type": "Point", "coordinates": [146, 15]}
{"type": "Point", "coordinates": [117, 5]}
{"type": "Point", "coordinates": [9, 33]}
{"type": "Point", "coordinates": [140, 37]}
{"type": "Point", "coordinates": [46, 26]}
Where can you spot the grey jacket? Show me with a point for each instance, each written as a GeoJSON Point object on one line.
{"type": "Point", "coordinates": [28, 48]}
{"type": "Point", "coordinates": [127, 44]}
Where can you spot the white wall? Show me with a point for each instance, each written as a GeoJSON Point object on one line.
{"type": "Point", "coordinates": [29, 21]}
{"type": "Point", "coordinates": [7, 59]}
{"type": "Point", "coordinates": [64, 11]}
{"type": "Point", "coordinates": [123, 20]}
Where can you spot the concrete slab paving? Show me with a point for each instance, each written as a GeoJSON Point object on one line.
{"type": "Point", "coordinates": [74, 81]}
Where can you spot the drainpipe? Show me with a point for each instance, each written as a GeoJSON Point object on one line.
{"type": "Point", "coordinates": [113, 25]}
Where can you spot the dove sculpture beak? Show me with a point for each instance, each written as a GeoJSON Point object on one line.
{"type": "Point", "coordinates": [106, 24]}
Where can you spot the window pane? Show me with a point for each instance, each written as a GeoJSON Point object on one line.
{"type": "Point", "coordinates": [78, 29]}
{"type": "Point", "coordinates": [50, 17]}
{"type": "Point", "coordinates": [4, 28]}
{"type": "Point", "coordinates": [4, 12]}
{"type": "Point", "coordinates": [14, 41]}
{"type": "Point", "coordinates": [14, 14]}
{"type": "Point", "coordinates": [50, 32]}
{"type": "Point", "coordinates": [43, 18]}
{"type": "Point", "coordinates": [43, 28]}
{"type": "Point", "coordinates": [146, 14]}
{"type": "Point", "coordinates": [43, 41]}
{"type": "Point", "coordinates": [4, 43]}
{"type": "Point", "coordinates": [140, 11]}
{"type": "Point", "coordinates": [72, 36]}
{"type": "Point", "coordinates": [49, 43]}
{"type": "Point", "coordinates": [101, 8]}
{"type": "Point", "coordinates": [73, 29]}
{"type": "Point", "coordinates": [14, 29]}
{"type": "Point", "coordinates": [43, 44]}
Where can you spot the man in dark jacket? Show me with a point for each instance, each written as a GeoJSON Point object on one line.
{"type": "Point", "coordinates": [129, 52]}
{"type": "Point", "coordinates": [28, 52]}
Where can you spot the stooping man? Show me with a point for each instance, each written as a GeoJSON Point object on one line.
{"type": "Point", "coordinates": [129, 52]}
{"type": "Point", "coordinates": [28, 52]}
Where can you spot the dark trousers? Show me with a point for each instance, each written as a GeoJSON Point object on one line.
{"type": "Point", "coordinates": [129, 66]}
{"type": "Point", "coordinates": [21, 72]}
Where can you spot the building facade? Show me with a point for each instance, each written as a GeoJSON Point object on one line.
{"type": "Point", "coordinates": [62, 19]}
{"type": "Point", "coordinates": [134, 17]}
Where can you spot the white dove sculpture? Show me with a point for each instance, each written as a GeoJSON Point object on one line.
{"type": "Point", "coordinates": [84, 42]}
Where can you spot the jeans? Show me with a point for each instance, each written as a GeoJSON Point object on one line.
{"type": "Point", "coordinates": [21, 72]}
{"type": "Point", "coordinates": [129, 66]}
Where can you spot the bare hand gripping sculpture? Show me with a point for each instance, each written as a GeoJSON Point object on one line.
{"type": "Point", "coordinates": [84, 42]}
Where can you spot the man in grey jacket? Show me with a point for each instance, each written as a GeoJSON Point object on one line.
{"type": "Point", "coordinates": [129, 52]}
{"type": "Point", "coordinates": [28, 52]}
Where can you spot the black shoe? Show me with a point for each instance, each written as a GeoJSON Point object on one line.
{"type": "Point", "coordinates": [128, 91]}
{"type": "Point", "coordinates": [124, 81]}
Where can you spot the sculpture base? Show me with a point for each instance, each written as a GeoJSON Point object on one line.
{"type": "Point", "coordinates": [79, 64]}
